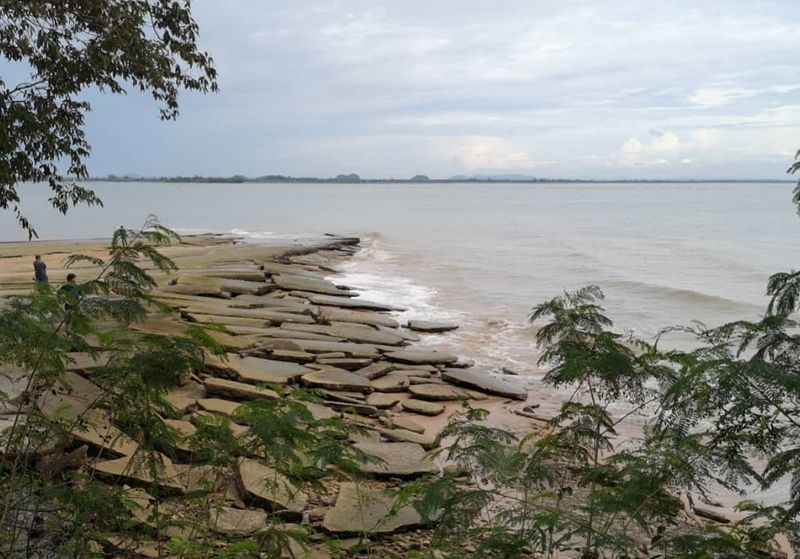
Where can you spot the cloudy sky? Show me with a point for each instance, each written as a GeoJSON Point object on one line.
{"type": "Point", "coordinates": [561, 88]}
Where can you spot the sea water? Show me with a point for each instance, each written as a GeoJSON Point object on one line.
{"type": "Point", "coordinates": [483, 254]}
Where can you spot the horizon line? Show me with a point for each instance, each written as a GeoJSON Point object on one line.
{"type": "Point", "coordinates": [418, 179]}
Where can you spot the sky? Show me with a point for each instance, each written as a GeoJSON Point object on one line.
{"type": "Point", "coordinates": [563, 88]}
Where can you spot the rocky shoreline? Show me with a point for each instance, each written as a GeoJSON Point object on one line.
{"type": "Point", "coordinates": [284, 326]}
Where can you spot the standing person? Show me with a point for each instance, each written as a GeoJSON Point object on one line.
{"type": "Point", "coordinates": [39, 270]}
{"type": "Point", "coordinates": [72, 292]}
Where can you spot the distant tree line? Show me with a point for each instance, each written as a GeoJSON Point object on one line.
{"type": "Point", "coordinates": [354, 178]}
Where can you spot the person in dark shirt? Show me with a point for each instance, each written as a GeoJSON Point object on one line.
{"type": "Point", "coordinates": [39, 270]}
{"type": "Point", "coordinates": [72, 292]}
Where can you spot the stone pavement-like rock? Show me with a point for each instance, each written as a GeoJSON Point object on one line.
{"type": "Point", "coordinates": [351, 303]}
{"type": "Point", "coordinates": [405, 436]}
{"type": "Point", "coordinates": [353, 332]}
{"type": "Point", "coordinates": [486, 382]}
{"type": "Point", "coordinates": [391, 383]}
{"type": "Point", "coordinates": [318, 346]}
{"type": "Point", "coordinates": [237, 390]}
{"type": "Point", "coordinates": [395, 459]}
{"type": "Point", "coordinates": [238, 522]}
{"type": "Point", "coordinates": [333, 314]}
{"type": "Point", "coordinates": [433, 327]}
{"type": "Point", "coordinates": [382, 400]}
{"type": "Point", "coordinates": [436, 392]}
{"type": "Point", "coordinates": [337, 380]}
{"type": "Point", "coordinates": [137, 469]}
{"type": "Point", "coordinates": [217, 405]}
{"type": "Point", "coordinates": [185, 397]}
{"type": "Point", "coordinates": [402, 422]}
{"type": "Point", "coordinates": [422, 408]}
{"type": "Point", "coordinates": [418, 356]}
{"type": "Point", "coordinates": [346, 363]}
{"type": "Point", "coordinates": [299, 283]}
{"type": "Point", "coordinates": [257, 371]}
{"type": "Point", "coordinates": [376, 370]}
{"type": "Point", "coordinates": [268, 486]}
{"type": "Point", "coordinates": [361, 510]}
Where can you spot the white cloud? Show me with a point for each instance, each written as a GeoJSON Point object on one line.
{"type": "Point", "coordinates": [712, 97]}
{"type": "Point", "coordinates": [568, 87]}
{"type": "Point", "coordinates": [667, 147]}
{"type": "Point", "coordinates": [718, 97]}
{"type": "Point", "coordinates": [480, 152]}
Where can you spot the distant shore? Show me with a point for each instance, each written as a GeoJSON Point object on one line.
{"type": "Point", "coordinates": [421, 179]}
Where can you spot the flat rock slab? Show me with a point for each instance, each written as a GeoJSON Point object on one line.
{"type": "Point", "coordinates": [352, 303]}
{"type": "Point", "coordinates": [432, 327]}
{"type": "Point", "coordinates": [414, 379]}
{"type": "Point", "coordinates": [347, 363]}
{"type": "Point", "coordinates": [237, 273]}
{"type": "Point", "coordinates": [405, 436]}
{"type": "Point", "coordinates": [216, 405]}
{"type": "Point", "coordinates": [230, 342]}
{"type": "Point", "coordinates": [320, 412]}
{"type": "Point", "coordinates": [96, 429]}
{"type": "Point", "coordinates": [436, 392]}
{"type": "Point", "coordinates": [296, 270]}
{"type": "Point", "coordinates": [204, 417]}
{"type": "Point", "coordinates": [266, 315]}
{"type": "Point", "coordinates": [237, 522]}
{"type": "Point", "coordinates": [358, 333]}
{"type": "Point", "coordinates": [270, 487]}
{"type": "Point", "coordinates": [227, 321]}
{"type": "Point", "coordinates": [305, 551]}
{"type": "Point", "coordinates": [337, 380]}
{"type": "Point", "coordinates": [195, 285]}
{"type": "Point", "coordinates": [185, 397]}
{"type": "Point", "coordinates": [349, 348]}
{"type": "Point", "coordinates": [219, 480]}
{"type": "Point", "coordinates": [69, 383]}
{"type": "Point", "coordinates": [334, 355]}
{"type": "Point", "coordinates": [349, 407]}
{"type": "Point", "coordinates": [342, 396]}
{"type": "Point", "coordinates": [486, 382]}
{"type": "Point", "coordinates": [270, 303]}
{"type": "Point", "coordinates": [280, 333]}
{"type": "Point", "coordinates": [255, 370]}
{"type": "Point", "coordinates": [409, 372]}
{"type": "Point", "coordinates": [245, 287]}
{"type": "Point", "coordinates": [391, 383]}
{"type": "Point", "coordinates": [238, 390]}
{"type": "Point", "coordinates": [300, 283]}
{"type": "Point", "coordinates": [362, 510]}
{"type": "Point", "coordinates": [421, 407]}
{"type": "Point", "coordinates": [417, 356]}
{"type": "Point", "coordinates": [383, 400]}
{"type": "Point", "coordinates": [376, 370]}
{"type": "Point", "coordinates": [91, 426]}
{"type": "Point", "coordinates": [185, 429]}
{"type": "Point", "coordinates": [710, 514]}
{"type": "Point", "coordinates": [412, 369]}
{"type": "Point", "coordinates": [395, 459]}
{"type": "Point", "coordinates": [82, 361]}
{"type": "Point", "coordinates": [161, 327]}
{"type": "Point", "coordinates": [333, 314]}
{"type": "Point", "coordinates": [400, 422]}
{"type": "Point", "coordinates": [294, 356]}
{"type": "Point", "coordinates": [137, 469]}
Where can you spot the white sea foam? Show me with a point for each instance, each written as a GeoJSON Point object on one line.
{"type": "Point", "coordinates": [418, 300]}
